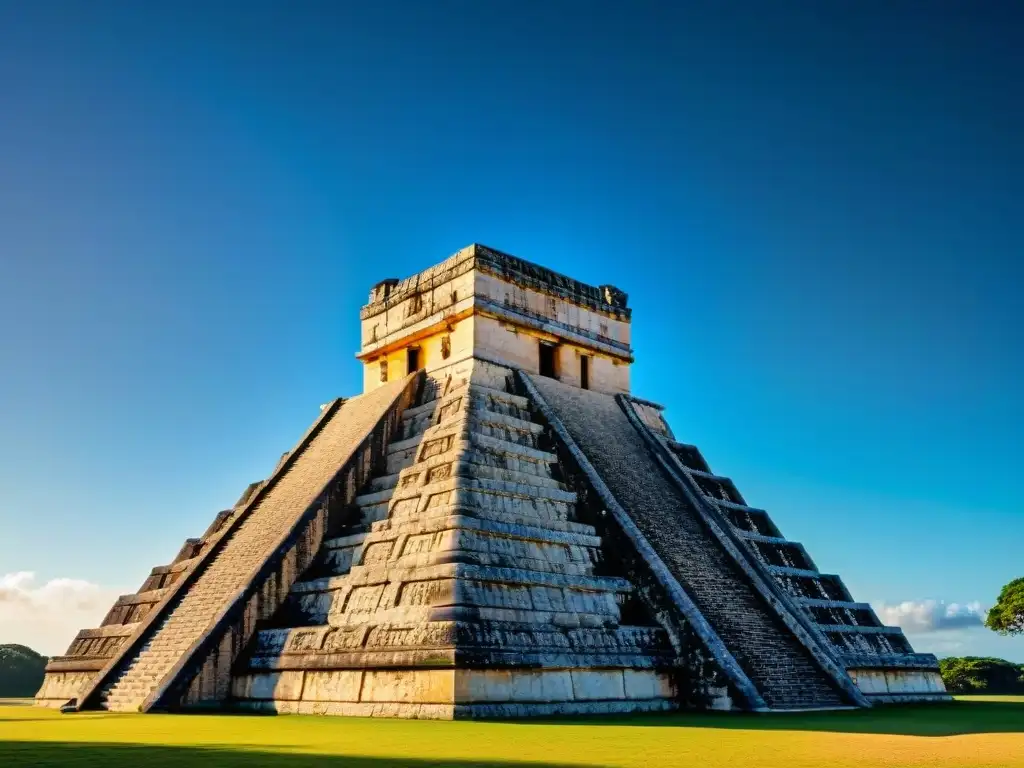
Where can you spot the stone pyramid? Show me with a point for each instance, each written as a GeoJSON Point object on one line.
{"type": "Point", "coordinates": [495, 528]}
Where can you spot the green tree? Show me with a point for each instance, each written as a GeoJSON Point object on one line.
{"type": "Point", "coordinates": [21, 671]}
{"type": "Point", "coordinates": [1007, 616]}
{"type": "Point", "coordinates": [959, 676]}
{"type": "Point", "coordinates": [978, 674]}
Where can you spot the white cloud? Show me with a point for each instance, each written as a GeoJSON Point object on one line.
{"type": "Point", "coordinates": [47, 616]}
{"type": "Point", "coordinates": [922, 616]}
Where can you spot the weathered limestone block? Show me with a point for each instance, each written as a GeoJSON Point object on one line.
{"type": "Point", "coordinates": [900, 684]}
{"type": "Point", "coordinates": [590, 684]}
{"type": "Point", "coordinates": [59, 687]}
{"type": "Point", "coordinates": [431, 686]}
{"type": "Point", "coordinates": [333, 685]}
{"type": "Point", "coordinates": [268, 686]}
{"type": "Point", "coordinates": [645, 684]}
{"type": "Point", "coordinates": [473, 686]}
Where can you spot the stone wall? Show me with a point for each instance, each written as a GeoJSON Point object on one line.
{"type": "Point", "coordinates": [517, 347]}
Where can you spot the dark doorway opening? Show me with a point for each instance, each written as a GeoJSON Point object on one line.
{"type": "Point", "coordinates": [584, 372]}
{"type": "Point", "coordinates": [547, 360]}
{"type": "Point", "coordinates": [414, 359]}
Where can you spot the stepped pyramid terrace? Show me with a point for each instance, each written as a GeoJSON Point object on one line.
{"type": "Point", "coordinates": [495, 527]}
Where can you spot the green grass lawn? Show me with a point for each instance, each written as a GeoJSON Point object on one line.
{"type": "Point", "coordinates": [981, 731]}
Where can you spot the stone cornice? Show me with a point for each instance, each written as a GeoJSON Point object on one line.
{"type": "Point", "coordinates": [516, 316]}
{"type": "Point", "coordinates": [441, 319]}
{"type": "Point", "coordinates": [606, 299]}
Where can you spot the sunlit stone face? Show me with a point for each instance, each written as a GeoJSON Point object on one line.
{"type": "Point", "coordinates": [485, 305]}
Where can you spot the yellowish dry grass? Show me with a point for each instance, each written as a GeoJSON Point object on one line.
{"type": "Point", "coordinates": [965, 734]}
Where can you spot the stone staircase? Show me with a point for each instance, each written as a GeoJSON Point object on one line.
{"type": "Point", "coordinates": [782, 669]}
{"type": "Point", "coordinates": [881, 657]}
{"type": "Point", "coordinates": [462, 585]}
{"type": "Point", "coordinates": [245, 570]}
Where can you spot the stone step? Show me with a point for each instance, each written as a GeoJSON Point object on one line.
{"type": "Point", "coordinates": [399, 446]}
{"type": "Point", "coordinates": [396, 462]}
{"type": "Point", "coordinates": [348, 540]}
{"type": "Point", "coordinates": [252, 546]}
{"type": "Point", "coordinates": [765, 653]}
{"type": "Point", "coordinates": [434, 525]}
{"type": "Point", "coordinates": [812, 602]}
{"type": "Point", "coordinates": [760, 537]}
{"type": "Point", "coordinates": [572, 618]}
{"type": "Point", "coordinates": [453, 537]}
{"type": "Point", "coordinates": [364, 575]}
{"type": "Point", "coordinates": [466, 467]}
{"type": "Point", "coordinates": [384, 482]}
{"type": "Point", "coordinates": [458, 405]}
{"type": "Point", "coordinates": [412, 429]}
{"type": "Point", "coordinates": [478, 456]}
{"type": "Point", "coordinates": [860, 629]}
{"type": "Point", "coordinates": [501, 446]}
{"type": "Point", "coordinates": [370, 514]}
{"type": "Point", "coordinates": [492, 506]}
{"type": "Point", "coordinates": [493, 560]}
{"type": "Point", "coordinates": [482, 390]}
{"type": "Point", "coordinates": [339, 561]}
{"type": "Point", "coordinates": [419, 410]}
{"type": "Point", "coordinates": [518, 637]}
{"type": "Point", "coordinates": [782, 570]}
{"type": "Point", "coordinates": [740, 507]}
{"type": "Point", "coordinates": [441, 514]}
{"type": "Point", "coordinates": [373, 498]}
{"type": "Point", "coordinates": [521, 491]}
{"type": "Point", "coordinates": [471, 546]}
{"type": "Point", "coordinates": [481, 416]}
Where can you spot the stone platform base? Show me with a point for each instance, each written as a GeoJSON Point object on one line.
{"type": "Point", "coordinates": [445, 694]}
{"type": "Point", "coordinates": [59, 687]}
{"type": "Point", "coordinates": [900, 686]}
{"type": "Point", "coordinates": [910, 698]}
{"type": "Point", "coordinates": [455, 711]}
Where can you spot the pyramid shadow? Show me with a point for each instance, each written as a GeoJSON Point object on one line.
{"type": "Point", "coordinates": [39, 754]}
{"type": "Point", "coordinates": [955, 718]}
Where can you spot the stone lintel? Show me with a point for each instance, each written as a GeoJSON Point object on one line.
{"type": "Point", "coordinates": [555, 329]}
{"type": "Point", "coordinates": [409, 335]}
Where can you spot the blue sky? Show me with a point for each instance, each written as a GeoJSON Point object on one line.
{"type": "Point", "coordinates": [815, 208]}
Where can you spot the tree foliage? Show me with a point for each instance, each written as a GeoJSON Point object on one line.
{"type": "Point", "coordinates": [21, 671]}
{"type": "Point", "coordinates": [974, 674]}
{"type": "Point", "coordinates": [1007, 616]}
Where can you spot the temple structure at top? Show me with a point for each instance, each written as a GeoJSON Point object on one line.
{"type": "Point", "coordinates": [484, 304]}
{"type": "Point", "coordinates": [496, 527]}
